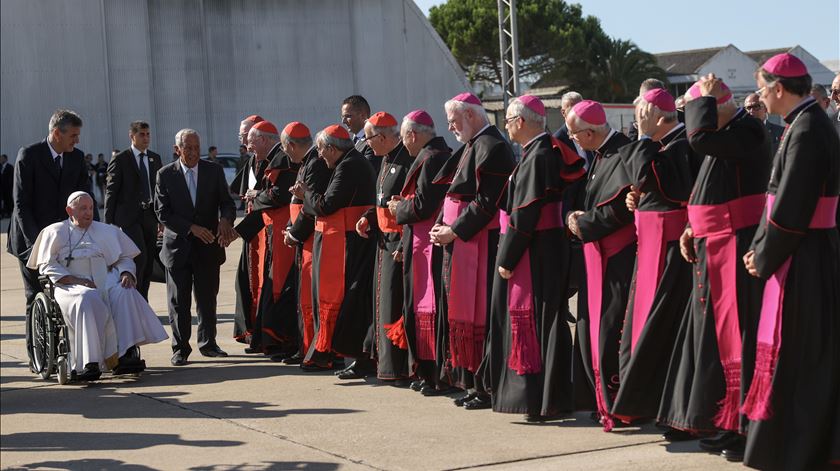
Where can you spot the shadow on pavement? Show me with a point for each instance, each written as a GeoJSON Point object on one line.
{"type": "Point", "coordinates": [89, 441]}
{"type": "Point", "coordinates": [271, 466]}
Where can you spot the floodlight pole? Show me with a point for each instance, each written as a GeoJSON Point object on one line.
{"type": "Point", "coordinates": [509, 50]}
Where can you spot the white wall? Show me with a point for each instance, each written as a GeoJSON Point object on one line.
{"type": "Point", "coordinates": [735, 68]}
{"type": "Point", "coordinates": [206, 64]}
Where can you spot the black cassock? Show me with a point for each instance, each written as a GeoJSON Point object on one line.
{"type": "Point", "coordinates": [342, 303]}
{"type": "Point", "coordinates": [795, 395]}
{"type": "Point", "coordinates": [608, 235]}
{"type": "Point", "coordinates": [417, 211]}
{"type": "Point", "coordinates": [477, 174]}
{"type": "Point", "coordinates": [274, 321]}
{"type": "Point", "coordinates": [389, 342]}
{"type": "Point", "coordinates": [528, 358]}
{"type": "Point", "coordinates": [664, 172]}
{"type": "Point", "coordinates": [732, 178]}
{"type": "Point", "coordinates": [315, 173]}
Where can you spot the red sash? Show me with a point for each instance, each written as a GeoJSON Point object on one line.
{"type": "Point", "coordinates": [467, 297]}
{"type": "Point", "coordinates": [654, 231]}
{"type": "Point", "coordinates": [718, 224]}
{"type": "Point", "coordinates": [525, 356]}
{"type": "Point", "coordinates": [282, 257]}
{"type": "Point", "coordinates": [333, 229]}
{"type": "Point", "coordinates": [387, 222]}
{"type": "Point", "coordinates": [596, 255]}
{"type": "Point", "coordinates": [757, 404]}
{"type": "Point", "coordinates": [305, 280]}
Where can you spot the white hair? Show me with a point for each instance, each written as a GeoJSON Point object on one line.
{"type": "Point", "coordinates": [517, 108]}
{"type": "Point", "coordinates": [570, 99]}
{"type": "Point", "coordinates": [668, 116]}
{"type": "Point", "coordinates": [327, 140]}
{"type": "Point", "coordinates": [305, 142]}
{"type": "Point", "coordinates": [392, 131]}
{"type": "Point", "coordinates": [455, 105]}
{"type": "Point", "coordinates": [181, 136]}
{"type": "Point", "coordinates": [76, 196]}
{"type": "Point", "coordinates": [268, 135]}
{"type": "Point", "coordinates": [410, 125]}
{"type": "Point", "coordinates": [583, 125]}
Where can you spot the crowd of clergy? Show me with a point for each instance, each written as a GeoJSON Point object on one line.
{"type": "Point", "coordinates": [704, 255]}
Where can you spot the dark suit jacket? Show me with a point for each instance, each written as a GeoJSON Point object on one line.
{"type": "Point", "coordinates": [40, 195]}
{"type": "Point", "coordinates": [123, 191]}
{"type": "Point", "coordinates": [176, 212]}
{"type": "Point", "coordinates": [775, 133]}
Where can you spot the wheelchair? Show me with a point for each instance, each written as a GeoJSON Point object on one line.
{"type": "Point", "coordinates": [50, 338]}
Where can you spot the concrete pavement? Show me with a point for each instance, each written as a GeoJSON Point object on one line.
{"type": "Point", "coordinates": [246, 413]}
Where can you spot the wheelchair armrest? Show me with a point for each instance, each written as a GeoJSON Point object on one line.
{"type": "Point", "coordinates": [47, 285]}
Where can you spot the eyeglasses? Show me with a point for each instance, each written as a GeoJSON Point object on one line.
{"type": "Point", "coordinates": [754, 107]}
{"type": "Point", "coordinates": [508, 120]}
{"type": "Point", "coordinates": [835, 91]}
{"type": "Point", "coordinates": [368, 138]}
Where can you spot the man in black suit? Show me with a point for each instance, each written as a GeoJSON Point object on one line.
{"type": "Point", "coordinates": [355, 111]}
{"type": "Point", "coordinates": [128, 199]}
{"type": "Point", "coordinates": [7, 178]}
{"type": "Point", "coordinates": [757, 110]}
{"type": "Point", "coordinates": [193, 204]}
{"type": "Point", "coordinates": [45, 174]}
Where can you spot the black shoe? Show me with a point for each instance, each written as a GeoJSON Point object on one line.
{"type": "Point", "coordinates": [417, 385]}
{"type": "Point", "coordinates": [429, 390]}
{"type": "Point", "coordinates": [677, 435]}
{"type": "Point", "coordinates": [314, 367]}
{"type": "Point", "coordinates": [537, 418]}
{"type": "Point", "coordinates": [352, 373]}
{"type": "Point", "coordinates": [349, 367]}
{"type": "Point", "coordinates": [250, 350]}
{"type": "Point", "coordinates": [464, 399]}
{"type": "Point", "coordinates": [213, 351]}
{"type": "Point", "coordinates": [280, 356]}
{"type": "Point", "coordinates": [722, 442]}
{"type": "Point", "coordinates": [735, 454]}
{"type": "Point", "coordinates": [91, 372]}
{"type": "Point", "coordinates": [480, 402]}
{"type": "Point", "coordinates": [293, 360]}
{"type": "Point", "coordinates": [178, 359]}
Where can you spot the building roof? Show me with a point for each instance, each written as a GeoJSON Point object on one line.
{"type": "Point", "coordinates": [761, 56]}
{"type": "Point", "coordinates": [686, 62]}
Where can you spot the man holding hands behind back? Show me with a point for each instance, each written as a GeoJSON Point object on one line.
{"type": "Point", "coordinates": [193, 204]}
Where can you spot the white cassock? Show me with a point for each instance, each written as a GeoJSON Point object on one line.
{"type": "Point", "coordinates": [104, 322]}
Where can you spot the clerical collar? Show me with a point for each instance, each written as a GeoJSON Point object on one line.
{"type": "Point", "coordinates": [480, 131]}
{"type": "Point", "coordinates": [806, 102]}
{"type": "Point", "coordinates": [52, 151]}
{"type": "Point", "coordinates": [534, 139]}
{"type": "Point", "coordinates": [609, 136]}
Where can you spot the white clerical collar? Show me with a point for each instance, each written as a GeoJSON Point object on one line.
{"type": "Point", "coordinates": [609, 135]}
{"type": "Point", "coordinates": [481, 131]}
{"type": "Point", "coordinates": [534, 139]}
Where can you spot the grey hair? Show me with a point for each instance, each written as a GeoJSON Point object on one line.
{"type": "Point", "coordinates": [583, 125]}
{"type": "Point", "coordinates": [650, 84]}
{"type": "Point", "coordinates": [516, 107]}
{"type": "Point", "coordinates": [571, 99]}
{"type": "Point", "coordinates": [181, 136]}
{"type": "Point", "coordinates": [63, 119]}
{"type": "Point", "coordinates": [327, 140]}
{"type": "Point", "coordinates": [305, 142]}
{"type": "Point", "coordinates": [268, 135]}
{"type": "Point", "coordinates": [409, 125]}
{"type": "Point", "coordinates": [668, 116]}
{"type": "Point", "coordinates": [819, 90]}
{"type": "Point", "coordinates": [384, 130]}
{"type": "Point", "coordinates": [455, 105]}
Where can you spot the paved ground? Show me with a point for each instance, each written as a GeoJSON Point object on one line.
{"type": "Point", "coordinates": [246, 413]}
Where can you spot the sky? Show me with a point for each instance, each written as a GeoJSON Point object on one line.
{"type": "Point", "coordinates": [747, 24]}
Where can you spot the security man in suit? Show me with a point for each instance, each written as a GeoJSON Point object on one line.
{"type": "Point", "coordinates": [756, 108]}
{"type": "Point", "coordinates": [46, 173]}
{"type": "Point", "coordinates": [129, 201]}
{"type": "Point", "coordinates": [193, 204]}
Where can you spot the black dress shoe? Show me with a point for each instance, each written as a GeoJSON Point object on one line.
{"type": "Point", "coordinates": [677, 435]}
{"type": "Point", "coordinates": [478, 403]}
{"type": "Point", "coordinates": [352, 373]}
{"type": "Point", "coordinates": [735, 455]}
{"type": "Point", "coordinates": [178, 359]}
{"type": "Point", "coordinates": [464, 399]}
{"type": "Point", "coordinates": [342, 370]}
{"type": "Point", "coordinates": [417, 385]}
{"type": "Point", "coordinates": [537, 418]}
{"type": "Point", "coordinates": [429, 390]}
{"type": "Point", "coordinates": [314, 367]}
{"type": "Point", "coordinates": [91, 372]}
{"type": "Point", "coordinates": [250, 350]}
{"type": "Point", "coordinates": [293, 360]}
{"type": "Point", "coordinates": [213, 351]}
{"type": "Point", "coordinates": [726, 440]}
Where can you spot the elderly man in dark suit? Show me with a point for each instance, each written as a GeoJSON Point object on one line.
{"type": "Point", "coordinates": [45, 174]}
{"type": "Point", "coordinates": [757, 110]}
{"type": "Point", "coordinates": [129, 200]}
{"type": "Point", "coordinates": [193, 203]}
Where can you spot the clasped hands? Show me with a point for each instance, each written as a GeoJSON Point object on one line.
{"type": "Point", "coordinates": [225, 234]}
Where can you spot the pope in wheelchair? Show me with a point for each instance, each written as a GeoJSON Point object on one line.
{"type": "Point", "coordinates": [91, 268]}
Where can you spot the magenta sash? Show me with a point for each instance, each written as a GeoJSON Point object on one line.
{"type": "Point", "coordinates": [769, 340]}
{"type": "Point", "coordinates": [654, 230]}
{"type": "Point", "coordinates": [425, 309]}
{"type": "Point", "coordinates": [718, 224]}
{"type": "Point", "coordinates": [467, 296]}
{"type": "Point", "coordinates": [525, 356]}
{"type": "Point", "coordinates": [596, 255]}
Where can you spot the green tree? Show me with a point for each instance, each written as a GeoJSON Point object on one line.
{"type": "Point", "coordinates": [619, 69]}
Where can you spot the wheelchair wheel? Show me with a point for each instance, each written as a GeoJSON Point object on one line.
{"type": "Point", "coordinates": [43, 337]}
{"type": "Point", "coordinates": [62, 371]}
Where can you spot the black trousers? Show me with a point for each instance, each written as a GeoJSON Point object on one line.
{"type": "Point", "coordinates": [144, 235]}
{"type": "Point", "coordinates": [31, 287]}
{"type": "Point", "coordinates": [181, 282]}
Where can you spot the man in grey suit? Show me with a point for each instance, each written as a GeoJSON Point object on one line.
{"type": "Point", "coordinates": [193, 204]}
{"type": "Point", "coordinates": [756, 108]}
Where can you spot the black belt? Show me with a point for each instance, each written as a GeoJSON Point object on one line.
{"type": "Point", "coordinates": [146, 205]}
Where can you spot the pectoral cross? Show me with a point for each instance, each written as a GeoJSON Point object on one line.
{"type": "Point", "coordinates": [68, 258]}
